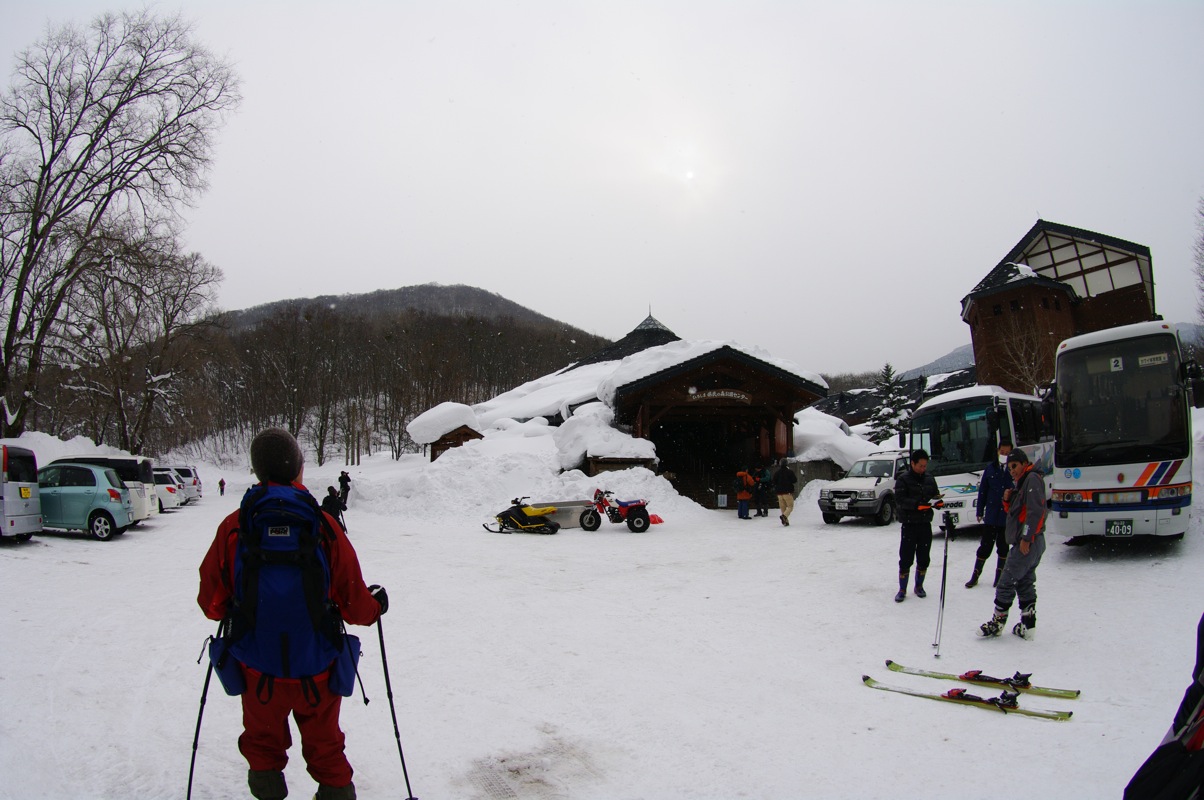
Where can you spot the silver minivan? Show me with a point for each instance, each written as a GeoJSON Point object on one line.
{"type": "Point", "coordinates": [20, 501]}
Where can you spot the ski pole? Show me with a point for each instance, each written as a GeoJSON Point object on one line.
{"type": "Point", "coordinates": [384, 660]}
{"type": "Point", "coordinates": [197, 735]}
{"type": "Point", "coordinates": [940, 614]}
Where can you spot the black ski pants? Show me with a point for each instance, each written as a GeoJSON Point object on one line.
{"type": "Point", "coordinates": [992, 534]}
{"type": "Point", "coordinates": [915, 544]}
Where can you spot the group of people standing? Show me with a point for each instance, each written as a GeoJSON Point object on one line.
{"type": "Point", "coordinates": [1011, 508]}
{"type": "Point", "coordinates": [757, 485]}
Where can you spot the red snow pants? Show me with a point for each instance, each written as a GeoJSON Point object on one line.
{"type": "Point", "coordinates": [266, 739]}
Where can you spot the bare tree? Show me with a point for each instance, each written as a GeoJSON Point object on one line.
{"type": "Point", "coordinates": [1026, 354]}
{"type": "Point", "coordinates": [129, 322]}
{"type": "Point", "coordinates": [1199, 259]}
{"type": "Point", "coordinates": [109, 125]}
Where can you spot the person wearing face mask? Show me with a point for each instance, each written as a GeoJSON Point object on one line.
{"type": "Point", "coordinates": [995, 480]}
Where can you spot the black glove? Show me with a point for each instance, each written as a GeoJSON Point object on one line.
{"type": "Point", "coordinates": [381, 597]}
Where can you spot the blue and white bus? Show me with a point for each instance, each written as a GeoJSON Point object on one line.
{"type": "Point", "coordinates": [1122, 462]}
{"type": "Point", "coordinates": [961, 431]}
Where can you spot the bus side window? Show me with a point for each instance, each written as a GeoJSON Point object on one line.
{"type": "Point", "coordinates": [1028, 422]}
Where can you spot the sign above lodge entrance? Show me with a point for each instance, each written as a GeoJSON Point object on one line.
{"type": "Point", "coordinates": [719, 394]}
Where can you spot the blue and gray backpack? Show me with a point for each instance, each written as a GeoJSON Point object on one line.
{"type": "Point", "coordinates": [282, 622]}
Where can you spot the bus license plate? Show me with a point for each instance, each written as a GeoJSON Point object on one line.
{"type": "Point", "coordinates": [1118, 527]}
{"type": "Point", "coordinates": [26, 493]}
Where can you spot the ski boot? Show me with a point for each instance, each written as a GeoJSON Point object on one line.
{"type": "Point", "coordinates": [970, 584]}
{"type": "Point", "coordinates": [267, 784]}
{"type": "Point", "coordinates": [902, 595]}
{"type": "Point", "coordinates": [920, 583]}
{"type": "Point", "coordinates": [1025, 628]}
{"type": "Point", "coordinates": [994, 626]}
{"type": "Point", "coordinates": [335, 792]}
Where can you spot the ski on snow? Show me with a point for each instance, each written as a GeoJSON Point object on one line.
{"type": "Point", "coordinates": [1016, 683]}
{"type": "Point", "coordinates": [1005, 703]}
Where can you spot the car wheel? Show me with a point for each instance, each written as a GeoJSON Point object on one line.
{"type": "Point", "coordinates": [886, 514]}
{"type": "Point", "coordinates": [638, 520]}
{"type": "Point", "coordinates": [160, 506]}
{"type": "Point", "coordinates": [831, 519]}
{"type": "Point", "coordinates": [590, 520]}
{"type": "Point", "coordinates": [23, 537]}
{"type": "Point", "coordinates": [101, 526]}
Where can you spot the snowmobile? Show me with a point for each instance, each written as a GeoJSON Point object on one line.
{"type": "Point", "coordinates": [633, 512]}
{"type": "Point", "coordinates": [522, 518]}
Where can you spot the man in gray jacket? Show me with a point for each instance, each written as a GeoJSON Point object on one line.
{"type": "Point", "coordinates": [1024, 532]}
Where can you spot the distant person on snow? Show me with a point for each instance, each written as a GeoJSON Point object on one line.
{"type": "Point", "coordinates": [344, 487]}
{"type": "Point", "coordinates": [995, 481]}
{"type": "Point", "coordinates": [221, 486]}
{"type": "Point", "coordinates": [333, 505]}
{"type": "Point", "coordinates": [762, 489]}
{"type": "Point", "coordinates": [744, 492]}
{"type": "Point", "coordinates": [1025, 534]}
{"type": "Point", "coordinates": [273, 693]}
{"type": "Point", "coordinates": [783, 485]}
{"type": "Point", "coordinates": [916, 494]}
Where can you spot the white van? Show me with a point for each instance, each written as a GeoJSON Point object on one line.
{"type": "Point", "coordinates": [20, 503]}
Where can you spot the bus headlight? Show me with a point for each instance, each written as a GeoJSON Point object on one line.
{"type": "Point", "coordinates": [1062, 496]}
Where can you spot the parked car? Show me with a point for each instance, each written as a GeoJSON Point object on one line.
{"type": "Point", "coordinates": [192, 481]}
{"type": "Point", "coordinates": [136, 472]}
{"type": "Point", "coordinates": [866, 490]}
{"type": "Point", "coordinates": [20, 503]}
{"type": "Point", "coordinates": [84, 497]}
{"type": "Point", "coordinates": [170, 490]}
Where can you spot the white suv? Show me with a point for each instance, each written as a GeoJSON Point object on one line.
{"type": "Point", "coordinates": [866, 490]}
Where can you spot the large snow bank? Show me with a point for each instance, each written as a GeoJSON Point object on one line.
{"type": "Point", "coordinates": [819, 436]}
{"type": "Point", "coordinates": [547, 396]}
{"type": "Point", "coordinates": [589, 432]}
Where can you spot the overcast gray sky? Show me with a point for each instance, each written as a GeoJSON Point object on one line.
{"type": "Point", "coordinates": [825, 180]}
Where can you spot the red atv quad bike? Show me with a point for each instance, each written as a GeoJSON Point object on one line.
{"type": "Point", "coordinates": [633, 512]}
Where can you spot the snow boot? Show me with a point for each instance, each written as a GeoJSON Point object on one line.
{"type": "Point", "coordinates": [902, 595]}
{"type": "Point", "coordinates": [335, 792]}
{"type": "Point", "coordinates": [994, 626]}
{"type": "Point", "coordinates": [267, 784]}
{"type": "Point", "coordinates": [978, 562]}
{"type": "Point", "coordinates": [783, 518]}
{"type": "Point", "coordinates": [1025, 628]}
{"type": "Point", "coordinates": [920, 583]}
{"type": "Point", "coordinates": [999, 570]}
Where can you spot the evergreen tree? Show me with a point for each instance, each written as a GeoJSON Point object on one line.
{"type": "Point", "coordinates": [894, 410]}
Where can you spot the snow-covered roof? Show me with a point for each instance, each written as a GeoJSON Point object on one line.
{"type": "Point", "coordinates": [658, 359]}
{"type": "Point", "coordinates": [444, 418]}
{"type": "Point", "coordinates": [560, 392]}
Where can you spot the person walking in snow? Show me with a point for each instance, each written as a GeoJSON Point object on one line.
{"type": "Point", "coordinates": [995, 481]}
{"type": "Point", "coordinates": [221, 486]}
{"type": "Point", "coordinates": [344, 487]}
{"type": "Point", "coordinates": [1025, 535]}
{"type": "Point", "coordinates": [916, 494]}
{"type": "Point", "coordinates": [783, 486]}
{"type": "Point", "coordinates": [270, 699]}
{"type": "Point", "coordinates": [744, 492]}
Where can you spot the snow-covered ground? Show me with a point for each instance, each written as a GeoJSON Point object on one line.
{"type": "Point", "coordinates": [707, 658]}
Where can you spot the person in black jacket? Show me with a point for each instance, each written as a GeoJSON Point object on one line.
{"type": "Point", "coordinates": [916, 494]}
{"type": "Point", "coordinates": [783, 486]}
{"type": "Point", "coordinates": [994, 482]}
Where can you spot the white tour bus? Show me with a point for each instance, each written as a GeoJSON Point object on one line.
{"type": "Point", "coordinates": [961, 431]}
{"type": "Point", "coordinates": [1122, 464]}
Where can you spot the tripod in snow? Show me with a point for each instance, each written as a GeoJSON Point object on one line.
{"type": "Point", "coordinates": [947, 525]}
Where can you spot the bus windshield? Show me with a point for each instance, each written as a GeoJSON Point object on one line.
{"type": "Point", "coordinates": [958, 438]}
{"type": "Point", "coordinates": [1121, 402]}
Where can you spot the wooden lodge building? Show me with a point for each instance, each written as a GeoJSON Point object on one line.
{"type": "Point", "coordinates": [1057, 282]}
{"type": "Point", "coordinates": [711, 415]}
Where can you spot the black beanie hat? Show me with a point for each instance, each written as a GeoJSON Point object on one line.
{"type": "Point", "coordinates": [276, 456]}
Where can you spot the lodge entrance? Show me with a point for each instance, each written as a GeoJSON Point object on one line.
{"type": "Point", "coordinates": [714, 415]}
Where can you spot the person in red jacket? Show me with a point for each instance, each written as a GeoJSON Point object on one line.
{"type": "Point", "coordinates": [276, 459]}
